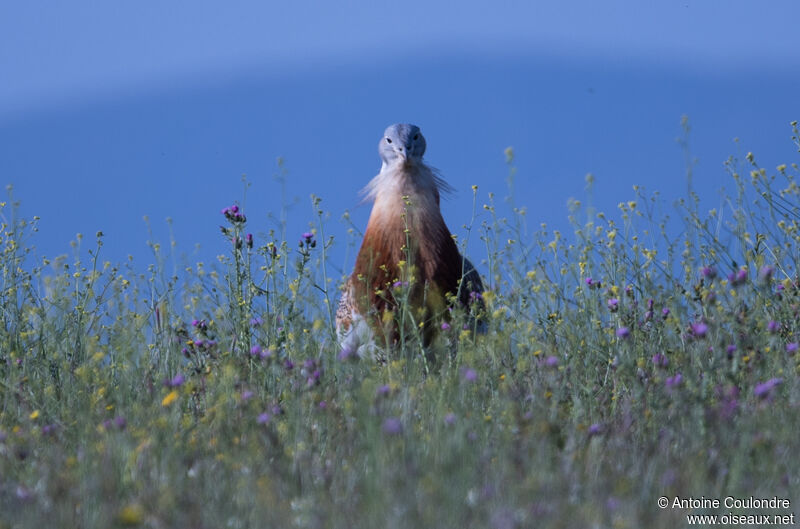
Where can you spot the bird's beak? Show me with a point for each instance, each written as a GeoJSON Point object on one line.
{"type": "Point", "coordinates": [403, 154]}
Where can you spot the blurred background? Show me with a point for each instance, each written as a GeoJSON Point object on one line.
{"type": "Point", "coordinates": [110, 112]}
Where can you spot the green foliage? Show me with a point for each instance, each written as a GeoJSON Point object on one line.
{"type": "Point", "coordinates": [620, 365]}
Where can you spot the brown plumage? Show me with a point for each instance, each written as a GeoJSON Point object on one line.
{"type": "Point", "coordinates": [407, 251]}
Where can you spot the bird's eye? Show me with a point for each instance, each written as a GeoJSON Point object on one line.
{"type": "Point", "coordinates": [388, 140]}
{"type": "Point", "coordinates": [416, 136]}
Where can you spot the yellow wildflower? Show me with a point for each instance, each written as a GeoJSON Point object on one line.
{"type": "Point", "coordinates": [132, 514]}
{"type": "Point", "coordinates": [170, 398]}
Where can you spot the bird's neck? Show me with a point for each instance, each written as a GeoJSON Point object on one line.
{"type": "Point", "coordinates": [405, 226]}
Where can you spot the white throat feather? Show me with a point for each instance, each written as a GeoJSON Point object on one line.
{"type": "Point", "coordinates": [405, 179]}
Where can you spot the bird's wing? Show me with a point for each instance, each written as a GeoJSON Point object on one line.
{"type": "Point", "coordinates": [469, 293]}
{"type": "Point", "coordinates": [470, 281]}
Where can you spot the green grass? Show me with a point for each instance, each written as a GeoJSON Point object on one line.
{"type": "Point", "coordinates": [557, 417]}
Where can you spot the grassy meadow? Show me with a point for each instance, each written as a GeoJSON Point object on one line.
{"type": "Point", "coordinates": [634, 358]}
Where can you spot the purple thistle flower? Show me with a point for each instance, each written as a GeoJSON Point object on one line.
{"type": "Point", "coordinates": [398, 284]}
{"type": "Point", "coordinates": [49, 429]}
{"type": "Point", "coordinates": [594, 429]}
{"type": "Point", "coordinates": [730, 349]}
{"type": "Point", "coordinates": [791, 348]}
{"type": "Point", "coordinates": [445, 326]}
{"type": "Point", "coordinates": [450, 419]}
{"type": "Point", "coordinates": [764, 390]}
{"type": "Point", "coordinates": [323, 404]}
{"type": "Point", "coordinates": [257, 352]}
{"type": "Point", "coordinates": [23, 493]}
{"type": "Point", "coordinates": [773, 326]}
{"type": "Point", "coordinates": [674, 381]}
{"type": "Point", "coordinates": [288, 365]}
{"type": "Point", "coordinates": [346, 353]}
{"type": "Point", "coordinates": [469, 375]}
{"type": "Point", "coordinates": [709, 272]}
{"type": "Point", "coordinates": [591, 283]}
{"type": "Point", "coordinates": [392, 426]}
{"type": "Point", "coordinates": [308, 239]}
{"type": "Point", "coordinates": [263, 418]}
{"type": "Point", "coordinates": [648, 315]}
{"type": "Point", "coordinates": [232, 214]}
{"type": "Point", "coordinates": [737, 278]}
{"type": "Point", "coordinates": [120, 422]}
{"type": "Point", "coordinates": [384, 390]}
{"type": "Point", "coordinates": [255, 322]}
{"type": "Point", "coordinates": [623, 332]}
{"type": "Point", "coordinates": [765, 273]}
{"type": "Point", "coordinates": [650, 304]}
{"type": "Point", "coordinates": [699, 329]}
{"type": "Point", "coordinates": [613, 304]}
{"type": "Point", "coordinates": [660, 360]}
{"type": "Point", "coordinates": [314, 378]}
{"type": "Point", "coordinates": [551, 361]}
{"type": "Point", "coordinates": [664, 312]}
{"type": "Point", "coordinates": [247, 395]}
{"type": "Point", "coordinates": [249, 240]}
{"type": "Point", "coordinates": [176, 381]}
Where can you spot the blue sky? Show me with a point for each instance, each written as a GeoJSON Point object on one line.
{"type": "Point", "coordinates": [113, 111]}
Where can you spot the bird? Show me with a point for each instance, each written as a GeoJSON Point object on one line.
{"type": "Point", "coordinates": [408, 254]}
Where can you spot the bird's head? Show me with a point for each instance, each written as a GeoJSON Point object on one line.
{"type": "Point", "coordinates": [401, 143]}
